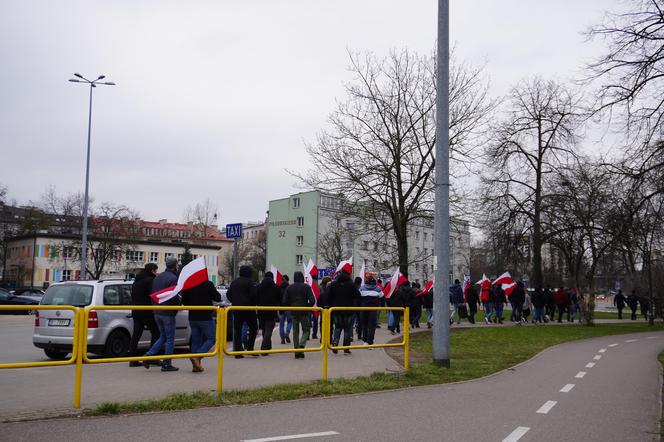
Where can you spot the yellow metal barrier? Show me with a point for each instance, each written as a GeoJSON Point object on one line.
{"type": "Point", "coordinates": [75, 347]}
{"type": "Point", "coordinates": [406, 332]}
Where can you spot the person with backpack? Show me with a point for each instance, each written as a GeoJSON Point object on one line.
{"type": "Point", "coordinates": [268, 294]}
{"type": "Point", "coordinates": [242, 292]}
{"type": "Point", "coordinates": [299, 294]}
{"type": "Point", "coordinates": [342, 292]}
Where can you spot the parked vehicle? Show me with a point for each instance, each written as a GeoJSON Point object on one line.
{"type": "Point", "coordinates": [30, 293]}
{"type": "Point", "coordinates": [109, 331]}
{"type": "Point", "coordinates": [8, 298]}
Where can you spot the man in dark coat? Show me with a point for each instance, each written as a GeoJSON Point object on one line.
{"type": "Point", "coordinates": [285, 321]}
{"type": "Point", "coordinates": [539, 302]}
{"type": "Point", "coordinates": [299, 294]}
{"type": "Point", "coordinates": [561, 300]}
{"type": "Point", "coordinates": [201, 322]}
{"type": "Point", "coordinates": [633, 303]}
{"type": "Point", "coordinates": [267, 294]}
{"type": "Point", "coordinates": [165, 319]}
{"type": "Point", "coordinates": [518, 297]}
{"type": "Point", "coordinates": [140, 295]}
{"type": "Point", "coordinates": [619, 302]}
{"type": "Point", "coordinates": [242, 292]}
{"type": "Point", "coordinates": [427, 303]}
{"type": "Point", "coordinates": [499, 301]}
{"type": "Point", "coordinates": [456, 299]}
{"type": "Point", "coordinates": [342, 292]}
{"type": "Point", "coordinates": [472, 298]}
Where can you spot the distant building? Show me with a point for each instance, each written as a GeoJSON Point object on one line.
{"type": "Point", "coordinates": [308, 224]}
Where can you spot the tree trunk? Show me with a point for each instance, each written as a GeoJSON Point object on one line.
{"type": "Point", "coordinates": [401, 234]}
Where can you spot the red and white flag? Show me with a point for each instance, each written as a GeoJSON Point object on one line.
{"type": "Point", "coordinates": [505, 278]}
{"type": "Point", "coordinates": [508, 288]}
{"type": "Point", "coordinates": [346, 266]}
{"type": "Point", "coordinates": [363, 272]}
{"type": "Point", "coordinates": [310, 273]}
{"type": "Point", "coordinates": [394, 283]}
{"type": "Point", "coordinates": [278, 277]}
{"type": "Point", "coordinates": [191, 275]}
{"type": "Point", "coordinates": [484, 278]}
{"type": "Point", "coordinates": [427, 288]}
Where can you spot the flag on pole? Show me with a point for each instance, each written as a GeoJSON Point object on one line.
{"type": "Point", "coordinates": [278, 277]}
{"type": "Point", "coordinates": [505, 278]}
{"type": "Point", "coordinates": [363, 271]}
{"type": "Point", "coordinates": [346, 266]}
{"type": "Point", "coordinates": [394, 283]}
{"type": "Point", "coordinates": [427, 288]}
{"type": "Point", "coordinates": [508, 288]}
{"type": "Point", "coordinates": [484, 278]}
{"type": "Point", "coordinates": [310, 275]}
{"type": "Point", "coordinates": [466, 287]}
{"type": "Point", "coordinates": [191, 275]}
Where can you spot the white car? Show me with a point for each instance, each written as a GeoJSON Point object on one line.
{"type": "Point", "coordinates": [109, 331]}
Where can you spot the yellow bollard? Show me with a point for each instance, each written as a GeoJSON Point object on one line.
{"type": "Point", "coordinates": [77, 347]}
{"type": "Point", "coordinates": [406, 339]}
{"type": "Point", "coordinates": [222, 318]}
{"type": "Point", "coordinates": [324, 335]}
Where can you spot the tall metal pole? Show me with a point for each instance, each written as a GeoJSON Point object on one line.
{"type": "Point", "coordinates": [441, 328]}
{"type": "Point", "coordinates": [235, 275]}
{"type": "Point", "coordinates": [84, 240]}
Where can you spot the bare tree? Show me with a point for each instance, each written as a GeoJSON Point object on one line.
{"type": "Point", "coordinates": [379, 149]}
{"type": "Point", "coordinates": [331, 243]}
{"type": "Point", "coordinates": [537, 136]}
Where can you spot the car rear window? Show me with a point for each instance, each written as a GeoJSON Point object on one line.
{"type": "Point", "coordinates": [74, 294]}
{"type": "Point", "coordinates": [117, 295]}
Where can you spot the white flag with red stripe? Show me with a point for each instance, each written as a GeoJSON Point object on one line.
{"type": "Point", "coordinates": [363, 271]}
{"type": "Point", "coordinates": [191, 275]}
{"type": "Point", "coordinates": [508, 288]}
{"type": "Point", "coordinates": [395, 281]}
{"type": "Point", "coordinates": [278, 277]}
{"type": "Point", "coordinates": [484, 278]}
{"type": "Point", "coordinates": [505, 278]}
{"type": "Point", "coordinates": [346, 266]}
{"type": "Point", "coordinates": [427, 288]}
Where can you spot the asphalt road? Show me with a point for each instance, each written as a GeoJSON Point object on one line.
{"type": "Point", "coordinates": [603, 389]}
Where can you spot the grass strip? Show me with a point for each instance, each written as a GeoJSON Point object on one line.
{"type": "Point", "coordinates": [475, 353]}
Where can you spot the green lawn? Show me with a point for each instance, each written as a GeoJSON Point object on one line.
{"type": "Point", "coordinates": [473, 354]}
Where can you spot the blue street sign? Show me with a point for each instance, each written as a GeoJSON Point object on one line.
{"type": "Point", "coordinates": [234, 231]}
{"type": "Point", "coordinates": [322, 273]}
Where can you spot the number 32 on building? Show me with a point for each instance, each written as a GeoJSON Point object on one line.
{"type": "Point", "coordinates": [282, 234]}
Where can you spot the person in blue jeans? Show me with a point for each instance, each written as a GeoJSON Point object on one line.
{"type": "Point", "coordinates": [201, 322]}
{"type": "Point", "coordinates": [165, 319]}
{"type": "Point", "coordinates": [285, 319]}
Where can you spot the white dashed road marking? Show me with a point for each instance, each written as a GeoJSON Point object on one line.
{"type": "Point", "coordinates": [544, 409]}
{"type": "Point", "coordinates": [652, 337]}
{"type": "Point", "coordinates": [567, 388]}
{"type": "Point", "coordinates": [613, 345]}
{"type": "Point", "coordinates": [516, 434]}
{"type": "Point", "coordinates": [597, 357]}
{"type": "Point", "coordinates": [602, 350]}
{"type": "Point", "coordinates": [631, 340]}
{"type": "Point", "coordinates": [580, 374]}
{"type": "Point", "coordinates": [293, 436]}
{"type": "Point", "coordinates": [590, 365]}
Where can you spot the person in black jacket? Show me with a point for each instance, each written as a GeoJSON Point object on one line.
{"type": "Point", "coordinates": [633, 303]}
{"type": "Point", "coordinates": [415, 307]}
{"type": "Point", "coordinates": [243, 292]}
{"type": "Point", "coordinates": [427, 303]}
{"type": "Point", "coordinates": [140, 295]}
{"type": "Point", "coordinates": [619, 302]}
{"type": "Point", "coordinates": [400, 298]}
{"type": "Point", "coordinates": [285, 320]}
{"type": "Point", "coordinates": [299, 294]}
{"type": "Point", "coordinates": [343, 293]}
{"type": "Point", "coordinates": [517, 298]}
{"type": "Point", "coordinates": [267, 294]}
{"type": "Point", "coordinates": [201, 322]}
{"type": "Point", "coordinates": [165, 319]}
{"type": "Point", "coordinates": [499, 302]}
{"type": "Point", "coordinates": [539, 302]}
{"type": "Point", "coordinates": [472, 298]}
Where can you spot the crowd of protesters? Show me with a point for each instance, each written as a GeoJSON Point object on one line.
{"type": "Point", "coordinates": [535, 306]}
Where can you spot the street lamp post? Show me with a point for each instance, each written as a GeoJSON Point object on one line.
{"type": "Point", "coordinates": [84, 239]}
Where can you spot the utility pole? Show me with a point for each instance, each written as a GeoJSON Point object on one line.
{"type": "Point", "coordinates": [441, 303]}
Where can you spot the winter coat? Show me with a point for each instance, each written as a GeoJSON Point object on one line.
{"type": "Point", "coordinates": [548, 297]}
{"type": "Point", "coordinates": [619, 300]}
{"type": "Point", "coordinates": [518, 296]}
{"type": "Point", "coordinates": [538, 299]}
{"type": "Point", "coordinates": [202, 294]}
{"type": "Point", "coordinates": [370, 295]}
{"type": "Point", "coordinates": [298, 294]}
{"type": "Point", "coordinates": [633, 301]}
{"type": "Point", "coordinates": [427, 300]}
{"type": "Point", "coordinates": [268, 293]}
{"type": "Point", "coordinates": [342, 292]}
{"type": "Point", "coordinates": [456, 294]}
{"type": "Point", "coordinates": [140, 293]}
{"type": "Point", "coordinates": [242, 290]}
{"type": "Point", "coordinates": [560, 297]}
{"type": "Point", "coordinates": [473, 297]}
{"type": "Point", "coordinates": [527, 303]}
{"type": "Point", "coordinates": [485, 295]}
{"type": "Point", "coordinates": [166, 279]}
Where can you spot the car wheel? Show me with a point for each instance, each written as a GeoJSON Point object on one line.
{"type": "Point", "coordinates": [56, 354]}
{"type": "Point", "coordinates": [117, 344]}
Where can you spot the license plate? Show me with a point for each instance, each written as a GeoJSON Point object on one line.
{"type": "Point", "coordinates": [58, 322]}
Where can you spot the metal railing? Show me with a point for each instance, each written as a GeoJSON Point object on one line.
{"type": "Point", "coordinates": [80, 331]}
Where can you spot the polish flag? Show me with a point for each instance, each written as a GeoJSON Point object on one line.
{"type": "Point", "coordinates": [310, 273]}
{"type": "Point", "coordinates": [278, 278]}
{"type": "Point", "coordinates": [427, 288]}
{"type": "Point", "coordinates": [505, 278]}
{"type": "Point", "coordinates": [191, 275]}
{"type": "Point", "coordinates": [346, 266]}
{"type": "Point", "coordinates": [466, 287]}
{"type": "Point", "coordinates": [508, 288]}
{"type": "Point", "coordinates": [394, 283]}
{"type": "Point", "coordinates": [363, 271]}
{"type": "Point", "coordinates": [484, 278]}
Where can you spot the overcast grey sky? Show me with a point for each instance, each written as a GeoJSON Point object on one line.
{"type": "Point", "coordinates": [216, 98]}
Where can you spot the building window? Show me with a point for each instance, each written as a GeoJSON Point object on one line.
{"type": "Point", "coordinates": [375, 264]}
{"type": "Point", "coordinates": [375, 246]}
{"type": "Point", "coordinates": [365, 245]}
{"type": "Point", "coordinates": [417, 234]}
{"type": "Point", "coordinates": [298, 259]}
{"type": "Point", "coordinates": [300, 221]}
{"type": "Point", "coordinates": [154, 256]}
{"type": "Point", "coordinates": [134, 255]}
{"type": "Point", "coordinates": [417, 267]}
{"type": "Point", "coordinates": [66, 275]}
{"type": "Point", "coordinates": [299, 240]}
{"type": "Point", "coordinates": [426, 251]}
{"type": "Point", "coordinates": [296, 203]}
{"type": "Point", "coordinates": [68, 252]}
{"type": "Point", "coordinates": [425, 236]}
